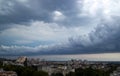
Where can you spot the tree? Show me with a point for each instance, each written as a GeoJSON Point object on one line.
{"type": "Point", "coordinates": [56, 74]}
{"type": "Point", "coordinates": [40, 73]}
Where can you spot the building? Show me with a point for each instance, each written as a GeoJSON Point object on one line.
{"type": "Point", "coordinates": [21, 61]}
{"type": "Point", "coordinates": [7, 73]}
{"type": "Point", "coordinates": [116, 72]}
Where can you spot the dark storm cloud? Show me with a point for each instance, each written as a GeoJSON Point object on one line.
{"type": "Point", "coordinates": [17, 12]}
{"type": "Point", "coordinates": [54, 17]}
{"type": "Point", "coordinates": [104, 39]}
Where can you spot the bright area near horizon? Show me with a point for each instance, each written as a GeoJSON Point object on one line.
{"type": "Point", "coordinates": [89, 57]}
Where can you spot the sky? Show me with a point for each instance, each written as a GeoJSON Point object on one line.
{"type": "Point", "coordinates": [38, 27]}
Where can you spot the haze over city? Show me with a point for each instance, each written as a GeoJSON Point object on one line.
{"type": "Point", "coordinates": [59, 27]}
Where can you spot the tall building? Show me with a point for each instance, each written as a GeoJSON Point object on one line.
{"type": "Point", "coordinates": [22, 60]}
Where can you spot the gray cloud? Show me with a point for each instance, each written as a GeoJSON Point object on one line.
{"type": "Point", "coordinates": [52, 21]}
{"type": "Point", "coordinates": [18, 12]}
{"type": "Point", "coordinates": [103, 39]}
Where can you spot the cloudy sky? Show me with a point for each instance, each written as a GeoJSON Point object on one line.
{"type": "Point", "coordinates": [30, 27]}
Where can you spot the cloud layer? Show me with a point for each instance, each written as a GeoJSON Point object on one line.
{"type": "Point", "coordinates": [62, 27]}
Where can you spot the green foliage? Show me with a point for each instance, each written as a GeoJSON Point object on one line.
{"type": "Point", "coordinates": [89, 72]}
{"type": "Point", "coordinates": [57, 74]}
{"type": "Point", "coordinates": [40, 73]}
{"type": "Point", "coordinates": [71, 74]}
{"type": "Point", "coordinates": [24, 71]}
